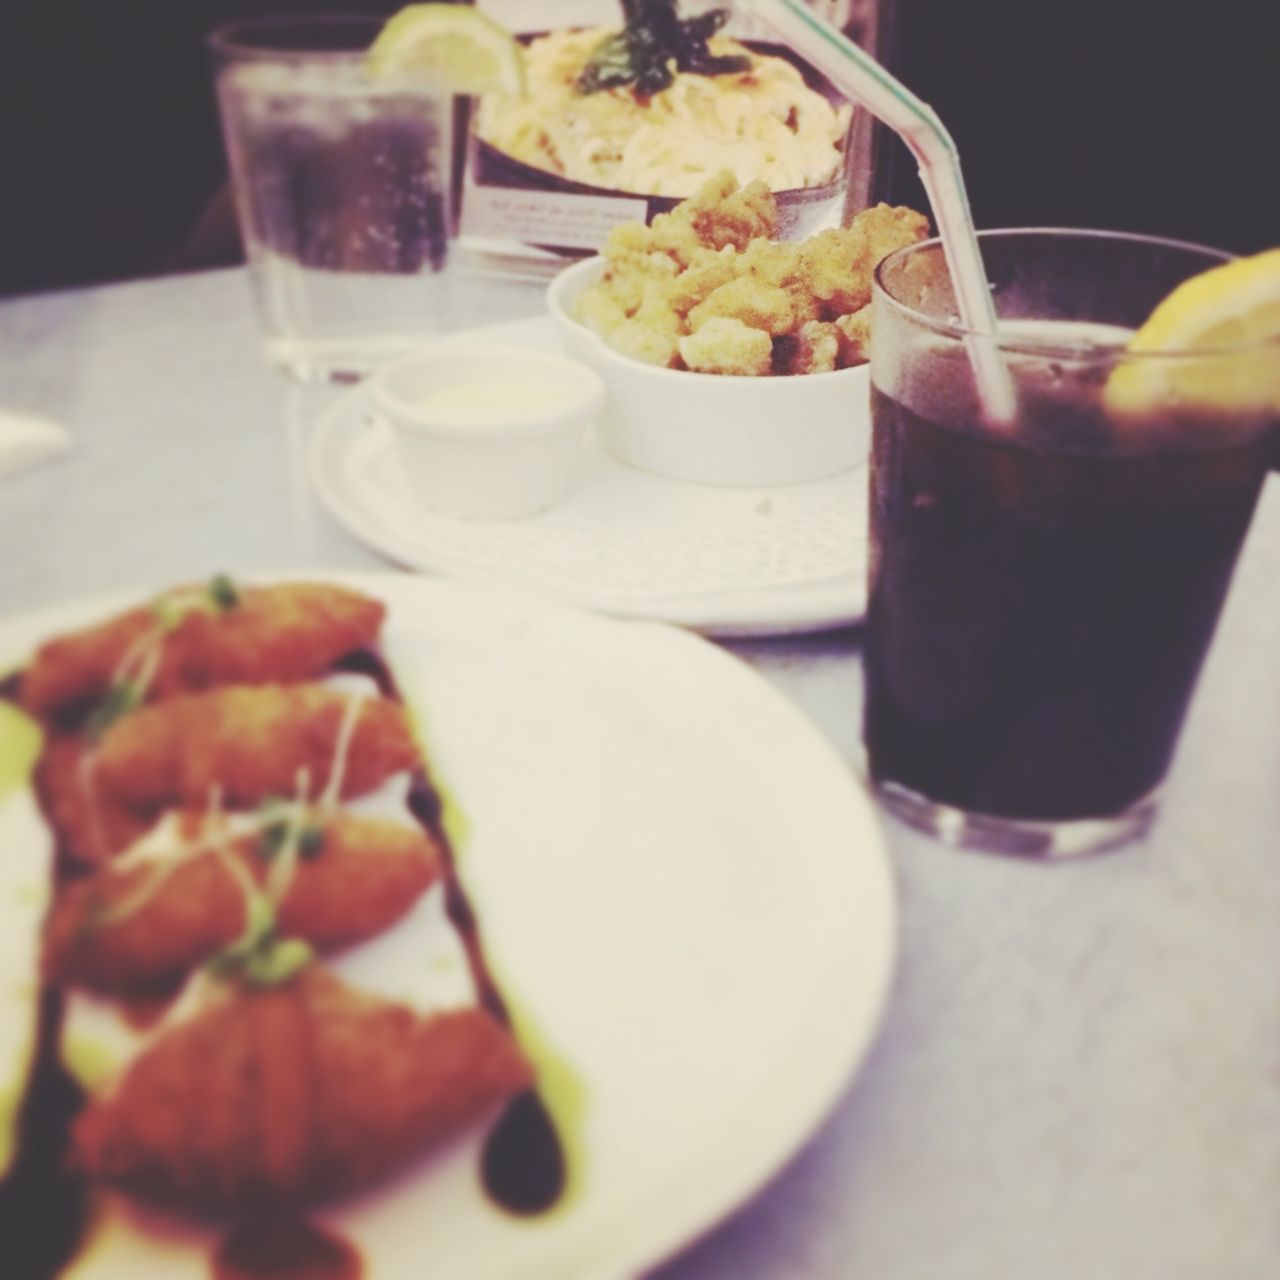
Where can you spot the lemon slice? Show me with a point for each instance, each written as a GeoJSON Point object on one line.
{"type": "Point", "coordinates": [1232, 311]}
{"type": "Point", "coordinates": [452, 46]}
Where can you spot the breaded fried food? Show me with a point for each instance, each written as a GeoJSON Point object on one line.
{"type": "Point", "coordinates": [89, 827]}
{"type": "Point", "coordinates": [839, 263]}
{"type": "Point", "coordinates": [731, 270]}
{"type": "Point", "coordinates": [813, 348]}
{"type": "Point", "coordinates": [854, 336]}
{"type": "Point", "coordinates": [249, 742]}
{"type": "Point", "coordinates": [723, 344]}
{"type": "Point", "coordinates": [293, 1094]}
{"type": "Point", "coordinates": [722, 213]}
{"type": "Point", "coordinates": [757, 303]}
{"type": "Point", "coordinates": [131, 927]}
{"type": "Point", "coordinates": [249, 635]}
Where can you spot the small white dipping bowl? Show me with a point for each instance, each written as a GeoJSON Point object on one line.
{"type": "Point", "coordinates": [717, 429]}
{"type": "Point", "coordinates": [485, 431]}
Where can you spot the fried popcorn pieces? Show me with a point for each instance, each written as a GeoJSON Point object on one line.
{"type": "Point", "coordinates": [709, 288]}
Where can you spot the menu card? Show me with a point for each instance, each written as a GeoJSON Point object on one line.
{"type": "Point", "coordinates": [548, 176]}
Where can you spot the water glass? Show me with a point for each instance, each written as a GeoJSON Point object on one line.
{"type": "Point", "coordinates": [342, 187]}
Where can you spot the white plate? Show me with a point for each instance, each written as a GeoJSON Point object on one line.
{"type": "Point", "coordinates": [722, 561]}
{"type": "Point", "coordinates": [680, 887]}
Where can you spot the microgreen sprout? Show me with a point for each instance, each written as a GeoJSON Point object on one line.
{"type": "Point", "coordinates": [223, 592]}
{"type": "Point", "coordinates": [259, 956]}
{"type": "Point", "coordinates": [122, 697]}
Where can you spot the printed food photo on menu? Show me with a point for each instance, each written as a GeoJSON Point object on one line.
{"type": "Point", "coordinates": [630, 105]}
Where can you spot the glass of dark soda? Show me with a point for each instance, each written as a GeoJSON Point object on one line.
{"type": "Point", "coordinates": [1042, 593]}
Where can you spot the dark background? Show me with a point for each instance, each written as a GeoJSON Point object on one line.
{"type": "Point", "coordinates": [1134, 115]}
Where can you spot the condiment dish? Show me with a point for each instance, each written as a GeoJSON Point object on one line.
{"type": "Point", "coordinates": [487, 431]}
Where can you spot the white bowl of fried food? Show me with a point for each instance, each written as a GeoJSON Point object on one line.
{"type": "Point", "coordinates": [731, 358]}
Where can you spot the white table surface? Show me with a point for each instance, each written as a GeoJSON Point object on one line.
{"type": "Point", "coordinates": [1079, 1071]}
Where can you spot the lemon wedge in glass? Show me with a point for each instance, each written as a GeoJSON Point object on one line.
{"type": "Point", "coordinates": [1226, 321]}
{"type": "Point", "coordinates": [452, 46]}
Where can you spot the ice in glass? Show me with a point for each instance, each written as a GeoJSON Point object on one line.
{"type": "Point", "coordinates": [342, 187]}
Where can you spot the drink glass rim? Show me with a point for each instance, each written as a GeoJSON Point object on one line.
{"type": "Point", "coordinates": [1057, 348]}
{"type": "Point", "coordinates": [252, 38]}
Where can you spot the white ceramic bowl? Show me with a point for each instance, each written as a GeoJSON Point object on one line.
{"type": "Point", "coordinates": [716, 429]}
{"type": "Point", "coordinates": [486, 431]}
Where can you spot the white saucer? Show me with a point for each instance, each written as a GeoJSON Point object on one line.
{"type": "Point", "coordinates": [729, 562]}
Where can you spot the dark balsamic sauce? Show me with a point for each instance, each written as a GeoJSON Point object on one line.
{"type": "Point", "coordinates": [523, 1166]}
{"type": "Point", "coordinates": [284, 1248]}
{"type": "Point", "coordinates": [44, 1206]}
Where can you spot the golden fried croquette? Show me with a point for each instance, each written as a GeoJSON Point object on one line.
{"type": "Point", "coordinates": [724, 344]}
{"type": "Point", "coordinates": [89, 827]}
{"type": "Point", "coordinates": [293, 631]}
{"type": "Point", "coordinates": [293, 1094]}
{"type": "Point", "coordinates": [121, 930]}
{"type": "Point", "coordinates": [758, 304]}
{"type": "Point", "coordinates": [249, 742]}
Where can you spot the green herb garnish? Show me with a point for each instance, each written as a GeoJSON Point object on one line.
{"type": "Point", "coordinates": [653, 39]}
{"type": "Point", "coordinates": [122, 697]}
{"type": "Point", "coordinates": [260, 956]}
{"type": "Point", "coordinates": [168, 612]}
{"type": "Point", "coordinates": [223, 592]}
{"type": "Point", "coordinates": [281, 822]}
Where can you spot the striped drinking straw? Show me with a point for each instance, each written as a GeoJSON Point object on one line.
{"type": "Point", "coordinates": [854, 71]}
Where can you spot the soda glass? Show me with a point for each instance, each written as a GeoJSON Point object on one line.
{"type": "Point", "coordinates": [1042, 594]}
{"type": "Point", "coordinates": [342, 187]}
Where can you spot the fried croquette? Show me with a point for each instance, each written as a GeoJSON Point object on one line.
{"type": "Point", "coordinates": [292, 1094]}
{"type": "Point", "coordinates": [248, 743]}
{"type": "Point", "coordinates": [145, 925]}
{"type": "Point", "coordinates": [253, 635]}
{"type": "Point", "coordinates": [88, 826]}
{"type": "Point", "coordinates": [731, 267]}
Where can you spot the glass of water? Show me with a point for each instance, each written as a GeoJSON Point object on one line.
{"type": "Point", "coordinates": [343, 189]}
